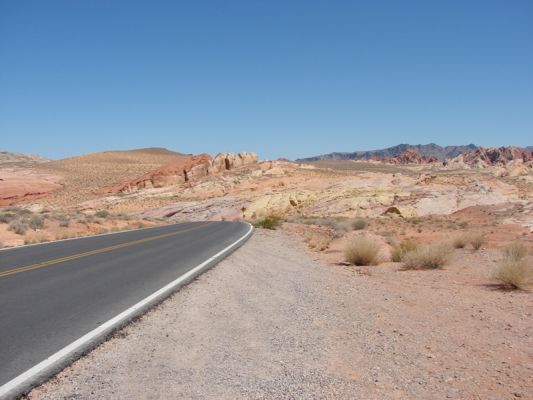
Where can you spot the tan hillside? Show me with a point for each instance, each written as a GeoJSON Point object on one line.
{"type": "Point", "coordinates": [86, 174]}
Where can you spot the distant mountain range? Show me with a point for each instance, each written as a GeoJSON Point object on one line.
{"type": "Point", "coordinates": [427, 150]}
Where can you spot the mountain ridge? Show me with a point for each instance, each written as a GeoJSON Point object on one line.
{"type": "Point", "coordinates": [426, 150]}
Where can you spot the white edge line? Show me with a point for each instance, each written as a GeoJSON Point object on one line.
{"type": "Point", "coordinates": [91, 236]}
{"type": "Point", "coordinates": [26, 378]}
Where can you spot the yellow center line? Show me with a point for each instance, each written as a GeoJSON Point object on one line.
{"type": "Point", "coordinates": [16, 270]}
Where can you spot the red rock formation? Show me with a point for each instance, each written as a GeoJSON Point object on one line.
{"type": "Point", "coordinates": [411, 156]}
{"type": "Point", "coordinates": [185, 170]}
{"type": "Point", "coordinates": [496, 156]}
{"type": "Point", "coordinates": [176, 172]}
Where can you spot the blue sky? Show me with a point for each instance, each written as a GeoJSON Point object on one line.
{"type": "Point", "coordinates": [282, 78]}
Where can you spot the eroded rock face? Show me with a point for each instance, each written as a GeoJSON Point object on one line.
{"type": "Point", "coordinates": [21, 184]}
{"type": "Point", "coordinates": [494, 156]}
{"type": "Point", "coordinates": [186, 170]}
{"type": "Point", "coordinates": [411, 156]}
{"type": "Point", "coordinates": [174, 173]}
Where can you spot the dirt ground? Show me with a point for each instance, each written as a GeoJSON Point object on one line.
{"type": "Point", "coordinates": [271, 321]}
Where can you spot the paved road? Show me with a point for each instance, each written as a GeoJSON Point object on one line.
{"type": "Point", "coordinates": [52, 294]}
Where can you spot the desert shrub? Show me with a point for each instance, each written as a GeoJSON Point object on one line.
{"type": "Point", "coordinates": [64, 223]}
{"type": "Point", "coordinates": [362, 250]}
{"type": "Point", "coordinates": [427, 257]}
{"type": "Point", "coordinates": [40, 238]}
{"type": "Point", "coordinates": [399, 251]}
{"type": "Point", "coordinates": [36, 222]}
{"type": "Point", "coordinates": [318, 241]}
{"type": "Point", "coordinates": [6, 217]}
{"type": "Point", "coordinates": [477, 241]}
{"type": "Point", "coordinates": [514, 273]}
{"type": "Point", "coordinates": [102, 214]}
{"type": "Point", "coordinates": [270, 222]}
{"type": "Point", "coordinates": [515, 251]}
{"type": "Point", "coordinates": [18, 227]}
{"type": "Point", "coordinates": [461, 241]}
{"type": "Point", "coordinates": [21, 212]}
{"type": "Point", "coordinates": [359, 224]}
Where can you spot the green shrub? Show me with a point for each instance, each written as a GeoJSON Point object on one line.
{"type": "Point", "coordinates": [270, 222]}
{"type": "Point", "coordinates": [362, 250]}
{"type": "Point", "coordinates": [359, 224]}
{"type": "Point", "coordinates": [427, 257]}
{"type": "Point", "coordinates": [399, 251]}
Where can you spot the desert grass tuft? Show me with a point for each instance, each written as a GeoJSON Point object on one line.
{"type": "Point", "coordinates": [514, 273]}
{"type": "Point", "coordinates": [431, 256]}
{"type": "Point", "coordinates": [363, 250]}
{"type": "Point", "coordinates": [515, 251]}
{"type": "Point", "coordinates": [477, 241]}
{"type": "Point", "coordinates": [461, 241]}
{"type": "Point", "coordinates": [400, 250]}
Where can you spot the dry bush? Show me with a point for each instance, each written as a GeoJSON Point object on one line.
{"type": "Point", "coordinates": [428, 257]}
{"type": "Point", "coordinates": [399, 251]}
{"type": "Point", "coordinates": [477, 241]}
{"type": "Point", "coordinates": [18, 227]}
{"type": "Point", "coordinates": [461, 241]}
{"type": "Point", "coordinates": [318, 241]}
{"type": "Point", "coordinates": [514, 273]}
{"type": "Point", "coordinates": [362, 250]}
{"type": "Point", "coordinates": [6, 217]}
{"type": "Point", "coordinates": [271, 222]}
{"type": "Point", "coordinates": [359, 224]}
{"type": "Point", "coordinates": [39, 238]}
{"type": "Point", "coordinates": [515, 251]}
{"type": "Point", "coordinates": [36, 222]}
{"type": "Point", "coordinates": [102, 214]}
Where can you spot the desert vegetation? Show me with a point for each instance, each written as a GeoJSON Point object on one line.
{"type": "Point", "coordinates": [30, 227]}
{"type": "Point", "coordinates": [515, 269]}
{"type": "Point", "coordinates": [271, 222]}
{"type": "Point", "coordinates": [363, 250]}
{"type": "Point", "coordinates": [399, 251]}
{"type": "Point", "coordinates": [431, 256]}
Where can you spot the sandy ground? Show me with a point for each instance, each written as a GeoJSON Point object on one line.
{"type": "Point", "coordinates": [272, 322]}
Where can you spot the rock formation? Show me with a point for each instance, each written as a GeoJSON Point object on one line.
{"type": "Point", "coordinates": [185, 170]}
{"type": "Point", "coordinates": [484, 157]}
{"type": "Point", "coordinates": [411, 156]}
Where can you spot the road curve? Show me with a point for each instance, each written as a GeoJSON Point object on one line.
{"type": "Point", "coordinates": [53, 294]}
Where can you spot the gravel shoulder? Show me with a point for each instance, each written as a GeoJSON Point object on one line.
{"type": "Point", "coordinates": [271, 321]}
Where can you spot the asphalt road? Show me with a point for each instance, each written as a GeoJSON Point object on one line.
{"type": "Point", "coordinates": [54, 293]}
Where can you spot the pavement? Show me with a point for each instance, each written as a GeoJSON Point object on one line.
{"type": "Point", "coordinates": [52, 294]}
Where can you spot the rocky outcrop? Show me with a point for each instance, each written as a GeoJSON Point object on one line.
{"type": "Point", "coordinates": [493, 156]}
{"type": "Point", "coordinates": [185, 170]}
{"type": "Point", "coordinates": [411, 156]}
{"type": "Point", "coordinates": [24, 184]}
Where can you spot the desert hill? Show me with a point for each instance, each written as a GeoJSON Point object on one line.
{"type": "Point", "coordinates": [425, 150]}
{"type": "Point", "coordinates": [83, 175]}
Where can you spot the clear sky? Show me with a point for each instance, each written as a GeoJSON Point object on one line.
{"type": "Point", "coordinates": [282, 78]}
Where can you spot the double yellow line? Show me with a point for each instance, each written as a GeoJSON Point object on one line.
{"type": "Point", "coordinates": [16, 270]}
